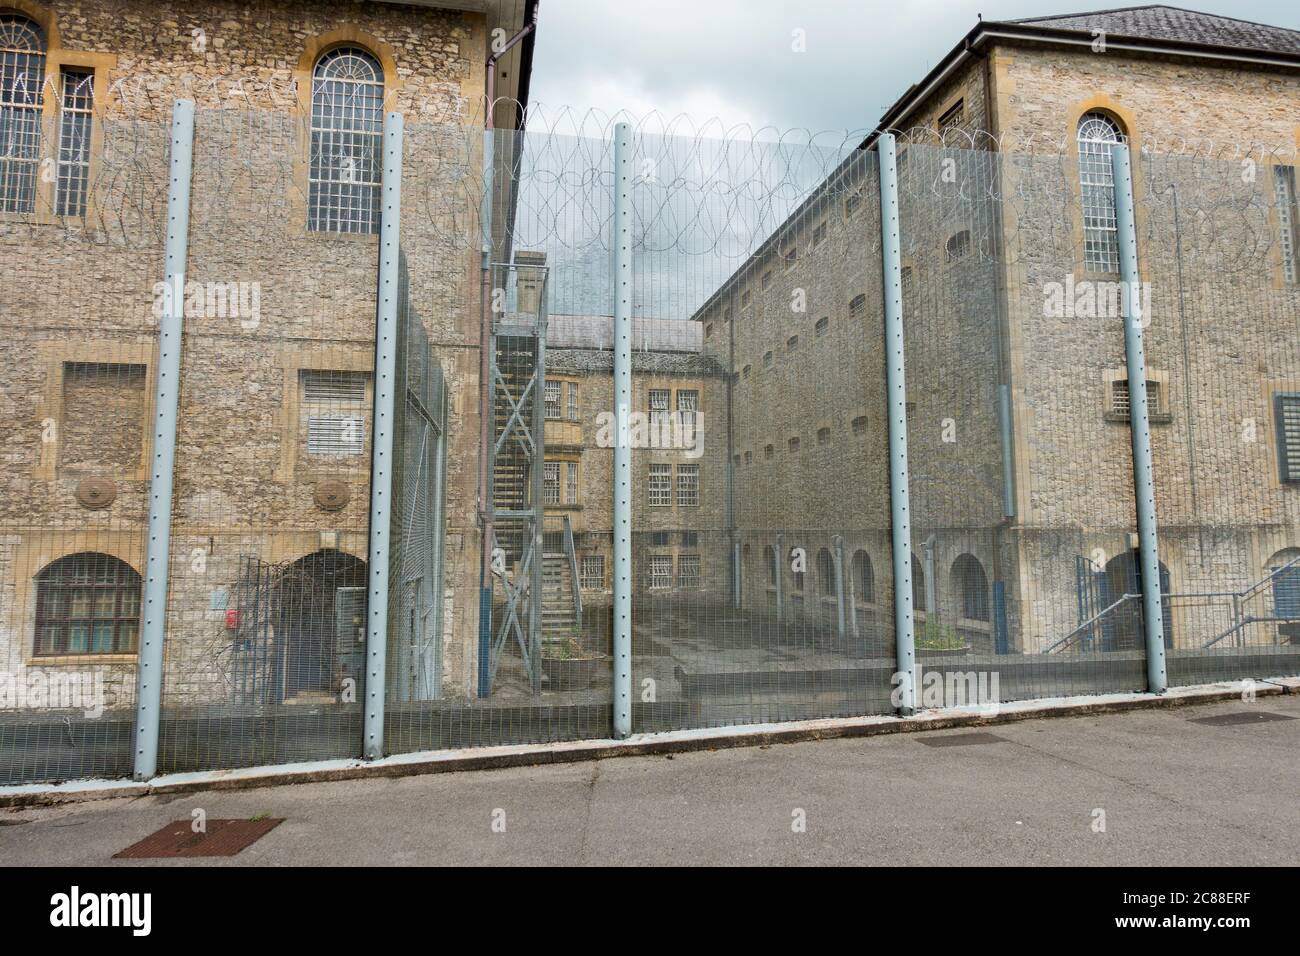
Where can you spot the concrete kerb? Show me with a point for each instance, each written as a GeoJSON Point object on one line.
{"type": "Point", "coordinates": [671, 742]}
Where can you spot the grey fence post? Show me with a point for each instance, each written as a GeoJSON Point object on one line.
{"type": "Point", "coordinates": [1144, 486]}
{"type": "Point", "coordinates": [896, 403]}
{"type": "Point", "coordinates": [622, 239]}
{"type": "Point", "coordinates": [381, 466]}
{"type": "Point", "coordinates": [149, 670]}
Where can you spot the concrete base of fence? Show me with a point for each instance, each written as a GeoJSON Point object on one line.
{"type": "Point", "coordinates": [678, 741]}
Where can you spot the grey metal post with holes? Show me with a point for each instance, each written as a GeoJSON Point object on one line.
{"type": "Point", "coordinates": [896, 403]}
{"type": "Point", "coordinates": [149, 676]}
{"type": "Point", "coordinates": [1144, 486]}
{"type": "Point", "coordinates": [622, 239]}
{"type": "Point", "coordinates": [381, 467]}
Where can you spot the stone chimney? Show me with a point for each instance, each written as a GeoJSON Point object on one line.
{"type": "Point", "coordinates": [531, 277]}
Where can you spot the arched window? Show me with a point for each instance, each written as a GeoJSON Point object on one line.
{"type": "Point", "coordinates": [87, 604]}
{"type": "Point", "coordinates": [918, 585]}
{"type": "Point", "coordinates": [770, 553]}
{"type": "Point", "coordinates": [347, 131]}
{"type": "Point", "coordinates": [1098, 135]}
{"type": "Point", "coordinates": [22, 95]}
{"type": "Point", "coordinates": [864, 577]}
{"type": "Point", "coordinates": [972, 587]}
{"type": "Point", "coordinates": [798, 576]}
{"type": "Point", "coordinates": [826, 574]}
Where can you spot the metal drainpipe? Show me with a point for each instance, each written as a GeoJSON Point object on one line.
{"type": "Point", "coordinates": [485, 355]}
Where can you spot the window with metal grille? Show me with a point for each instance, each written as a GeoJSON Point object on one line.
{"type": "Point", "coordinates": [551, 394]}
{"type": "Point", "coordinates": [860, 425]}
{"type": "Point", "coordinates": [87, 603]}
{"type": "Point", "coordinates": [749, 457]}
{"type": "Point", "coordinates": [790, 256]}
{"type": "Point", "coordinates": [858, 306]}
{"type": "Point", "coordinates": [744, 372]}
{"type": "Point", "coordinates": [334, 405]}
{"type": "Point", "coordinates": [347, 116]}
{"type": "Point", "coordinates": [591, 574]}
{"type": "Point", "coordinates": [726, 314]}
{"type": "Point", "coordinates": [819, 234]}
{"type": "Point", "coordinates": [661, 486]}
{"type": "Point", "coordinates": [688, 570]}
{"type": "Point", "coordinates": [659, 405]}
{"type": "Point", "coordinates": [767, 279]}
{"type": "Point", "coordinates": [905, 281]}
{"type": "Point", "coordinates": [661, 571]}
{"type": "Point", "coordinates": [953, 117]}
{"type": "Point", "coordinates": [793, 445]}
{"type": "Point", "coordinates": [688, 485]}
{"type": "Point", "coordinates": [690, 539]}
{"type": "Point", "coordinates": [1121, 403]}
{"type": "Point", "coordinates": [659, 539]}
{"type": "Point", "coordinates": [571, 389]}
{"type": "Point", "coordinates": [22, 97]}
{"type": "Point", "coordinates": [823, 436]}
{"type": "Point", "coordinates": [1288, 217]}
{"type": "Point", "coordinates": [792, 343]}
{"type": "Point", "coordinates": [767, 360]}
{"type": "Point", "coordinates": [957, 246]}
{"type": "Point", "coordinates": [822, 327]}
{"type": "Point", "coordinates": [551, 482]}
{"type": "Point", "coordinates": [708, 330]}
{"type": "Point", "coordinates": [570, 482]}
{"type": "Point", "coordinates": [1098, 135]}
{"type": "Point", "coordinates": [852, 203]}
{"type": "Point", "coordinates": [769, 451]}
{"type": "Point", "coordinates": [688, 403]}
{"type": "Point", "coordinates": [76, 117]}
{"type": "Point", "coordinates": [1286, 412]}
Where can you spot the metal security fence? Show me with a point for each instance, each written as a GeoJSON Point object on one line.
{"type": "Point", "coordinates": [520, 436]}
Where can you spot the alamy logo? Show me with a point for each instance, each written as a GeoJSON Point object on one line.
{"type": "Point", "coordinates": [73, 909]}
{"type": "Point", "coordinates": [211, 300]}
{"type": "Point", "coordinates": [1090, 299]}
{"type": "Point", "coordinates": [681, 430]}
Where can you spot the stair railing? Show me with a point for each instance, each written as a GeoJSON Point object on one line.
{"type": "Point", "coordinates": [572, 552]}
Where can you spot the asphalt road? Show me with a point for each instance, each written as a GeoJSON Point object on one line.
{"type": "Point", "coordinates": [1172, 790]}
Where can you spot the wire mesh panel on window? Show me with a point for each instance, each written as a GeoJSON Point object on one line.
{"type": "Point", "coordinates": [1097, 136]}
{"type": "Point", "coordinates": [347, 123]}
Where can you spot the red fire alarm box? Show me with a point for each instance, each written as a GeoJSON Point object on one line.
{"type": "Point", "coordinates": [232, 619]}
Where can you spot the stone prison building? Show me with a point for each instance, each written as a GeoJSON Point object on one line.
{"type": "Point", "coordinates": [762, 509]}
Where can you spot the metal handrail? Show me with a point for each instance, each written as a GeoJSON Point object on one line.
{"type": "Point", "coordinates": [1091, 621]}
{"type": "Point", "coordinates": [572, 552]}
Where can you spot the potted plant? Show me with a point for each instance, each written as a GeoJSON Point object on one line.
{"type": "Point", "coordinates": [567, 665]}
{"type": "Point", "coordinates": [940, 640]}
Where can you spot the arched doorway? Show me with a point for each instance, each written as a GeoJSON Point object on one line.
{"type": "Point", "coordinates": [1123, 628]}
{"type": "Point", "coordinates": [320, 623]}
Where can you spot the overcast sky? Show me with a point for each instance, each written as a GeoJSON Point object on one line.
{"type": "Point", "coordinates": [732, 59]}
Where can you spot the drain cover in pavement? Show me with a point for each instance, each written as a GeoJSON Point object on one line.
{"type": "Point", "coordinates": [223, 838]}
{"type": "Point", "coordinates": [1240, 717]}
{"type": "Point", "coordinates": [961, 740]}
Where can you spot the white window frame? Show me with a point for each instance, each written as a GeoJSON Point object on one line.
{"type": "Point", "coordinates": [660, 486]}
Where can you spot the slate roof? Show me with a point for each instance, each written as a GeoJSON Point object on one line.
{"type": "Point", "coordinates": [1159, 22]}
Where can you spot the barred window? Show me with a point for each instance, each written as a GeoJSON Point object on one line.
{"type": "Point", "coordinates": [572, 391]}
{"type": "Point", "coordinates": [1288, 217]}
{"type": "Point", "coordinates": [792, 343]}
{"type": "Point", "coordinates": [822, 327]}
{"type": "Point", "coordinates": [819, 234]}
{"type": "Point", "coordinates": [347, 113]}
{"type": "Point", "coordinates": [22, 96]}
{"type": "Point", "coordinates": [660, 398]}
{"type": "Point", "coordinates": [864, 577]}
{"type": "Point", "coordinates": [790, 256]}
{"type": "Point", "coordinates": [767, 360]}
{"type": "Point", "coordinates": [334, 406]}
{"type": "Point", "coordinates": [690, 539]}
{"type": "Point", "coordinates": [860, 425]}
{"type": "Point", "coordinates": [688, 403]}
{"type": "Point", "coordinates": [551, 482]}
{"type": "Point", "coordinates": [661, 571]}
{"type": "Point", "coordinates": [1098, 136]}
{"type": "Point", "coordinates": [570, 482]}
{"type": "Point", "coordinates": [688, 485]}
{"type": "Point", "coordinates": [769, 451]}
{"type": "Point", "coordinates": [767, 279]}
{"type": "Point", "coordinates": [591, 575]}
{"type": "Point", "coordinates": [852, 203]}
{"type": "Point", "coordinates": [87, 604]}
{"type": "Point", "coordinates": [76, 117]}
{"type": "Point", "coordinates": [552, 399]}
{"type": "Point", "coordinates": [1121, 402]}
{"type": "Point", "coordinates": [688, 570]}
{"type": "Point", "coordinates": [661, 486]}
{"type": "Point", "coordinates": [744, 372]}
{"type": "Point", "coordinates": [1286, 410]}
{"type": "Point", "coordinates": [957, 246]}
{"type": "Point", "coordinates": [823, 436]}
{"type": "Point", "coordinates": [793, 445]}
{"type": "Point", "coordinates": [858, 306]}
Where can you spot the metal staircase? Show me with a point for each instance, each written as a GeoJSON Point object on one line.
{"type": "Point", "coordinates": [561, 590]}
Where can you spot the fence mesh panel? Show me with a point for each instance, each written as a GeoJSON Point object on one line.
{"type": "Point", "coordinates": [79, 306]}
